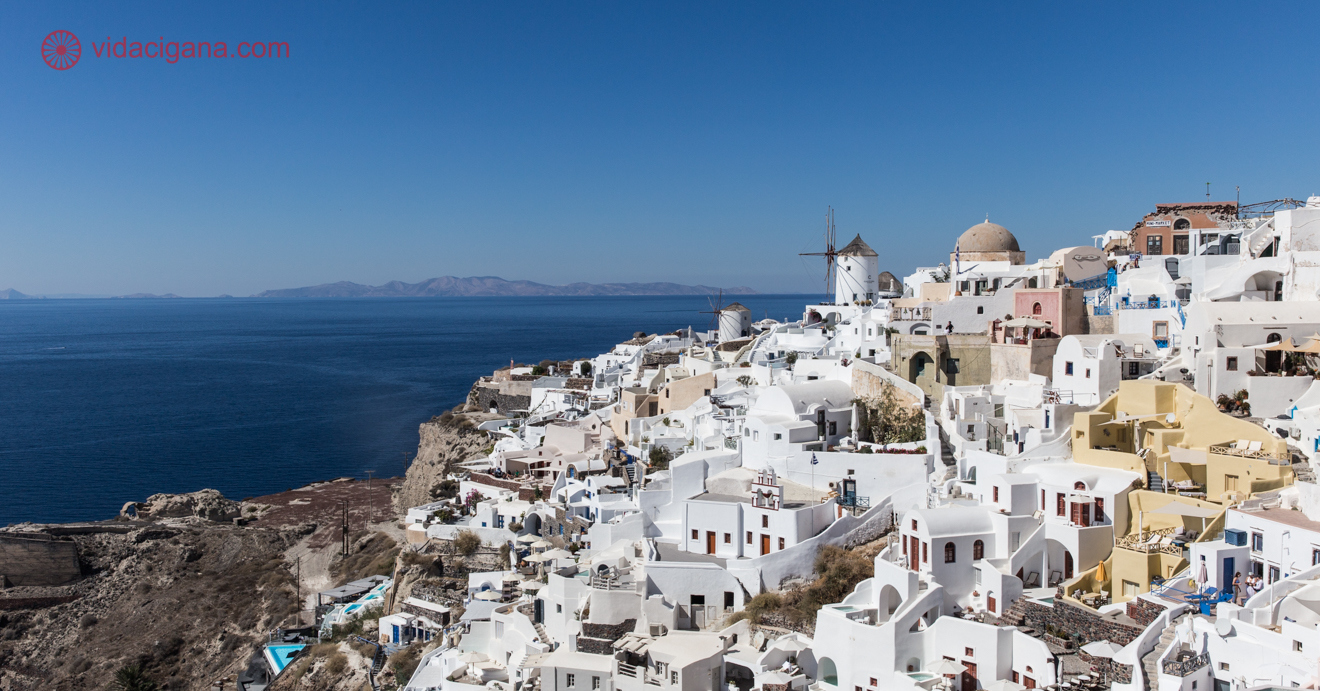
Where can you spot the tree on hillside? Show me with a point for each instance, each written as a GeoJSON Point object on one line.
{"type": "Point", "coordinates": [133, 678]}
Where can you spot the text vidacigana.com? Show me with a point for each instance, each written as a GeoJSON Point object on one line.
{"type": "Point", "coordinates": [174, 51]}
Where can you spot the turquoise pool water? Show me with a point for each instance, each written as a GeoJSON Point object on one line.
{"type": "Point", "coordinates": [279, 656]}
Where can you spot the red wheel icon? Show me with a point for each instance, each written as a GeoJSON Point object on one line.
{"type": "Point", "coordinates": [60, 50]}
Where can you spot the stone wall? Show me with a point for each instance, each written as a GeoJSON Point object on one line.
{"type": "Point", "coordinates": [487, 397]}
{"type": "Point", "coordinates": [7, 603]}
{"type": "Point", "coordinates": [38, 559]}
{"type": "Point", "coordinates": [659, 359]}
{"type": "Point", "coordinates": [572, 526]}
{"type": "Point", "coordinates": [598, 639]}
{"type": "Point", "coordinates": [1144, 611]}
{"type": "Point", "coordinates": [1069, 619]}
{"type": "Point", "coordinates": [1099, 324]}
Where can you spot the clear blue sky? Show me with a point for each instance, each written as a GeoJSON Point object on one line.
{"type": "Point", "coordinates": [620, 142]}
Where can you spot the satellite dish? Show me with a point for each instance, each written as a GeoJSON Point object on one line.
{"type": "Point", "coordinates": [1224, 626]}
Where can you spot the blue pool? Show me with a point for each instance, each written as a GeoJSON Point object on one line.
{"type": "Point", "coordinates": [279, 656]}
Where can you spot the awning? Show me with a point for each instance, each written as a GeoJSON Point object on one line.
{"type": "Point", "coordinates": [1188, 456]}
{"type": "Point", "coordinates": [1027, 322]}
{"type": "Point", "coordinates": [1286, 345]}
{"type": "Point", "coordinates": [1177, 508]}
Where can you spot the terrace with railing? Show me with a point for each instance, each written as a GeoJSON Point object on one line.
{"type": "Point", "coordinates": [1253, 450]}
{"type": "Point", "coordinates": [1154, 541]}
{"type": "Point", "coordinates": [1185, 663]}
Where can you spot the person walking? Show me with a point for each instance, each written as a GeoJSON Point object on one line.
{"type": "Point", "coordinates": [1237, 588]}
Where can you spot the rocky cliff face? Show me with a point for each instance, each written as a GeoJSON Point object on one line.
{"type": "Point", "coordinates": [444, 441]}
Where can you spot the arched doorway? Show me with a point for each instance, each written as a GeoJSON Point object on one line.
{"type": "Point", "coordinates": [1273, 358]}
{"type": "Point", "coordinates": [921, 365]}
{"type": "Point", "coordinates": [827, 672]}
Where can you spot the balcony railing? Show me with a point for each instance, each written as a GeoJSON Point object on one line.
{"type": "Point", "coordinates": [1144, 543]}
{"type": "Point", "coordinates": [1186, 666]}
{"type": "Point", "coordinates": [1273, 457]}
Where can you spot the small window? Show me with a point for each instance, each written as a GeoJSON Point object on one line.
{"type": "Point", "coordinates": [968, 652]}
{"type": "Point", "coordinates": [995, 492]}
{"type": "Point", "coordinates": [1315, 557]}
{"type": "Point", "coordinates": [728, 538]}
{"type": "Point", "coordinates": [1230, 364]}
{"type": "Point", "coordinates": [749, 537]}
{"type": "Point", "coordinates": [694, 534]}
{"type": "Point", "coordinates": [925, 553]}
{"type": "Point", "coordinates": [595, 683]}
{"type": "Point", "coordinates": [1067, 368]}
{"type": "Point", "coordinates": [1257, 542]}
{"type": "Point", "coordinates": [950, 553]}
{"type": "Point", "coordinates": [1223, 666]}
{"type": "Point", "coordinates": [1088, 372]}
{"type": "Point", "coordinates": [569, 679]}
{"type": "Point", "coordinates": [778, 436]}
{"type": "Point", "coordinates": [765, 521]}
{"type": "Point", "coordinates": [978, 550]}
{"type": "Point", "coordinates": [781, 543]}
{"type": "Point", "coordinates": [559, 609]}
{"type": "Point", "coordinates": [1036, 308]}
{"type": "Point", "coordinates": [914, 524]}
{"type": "Point", "coordinates": [873, 682]}
{"type": "Point", "coordinates": [728, 601]}
{"type": "Point", "coordinates": [1297, 646]}
{"type": "Point", "coordinates": [1159, 330]}
{"type": "Point", "coordinates": [980, 310]}
{"type": "Point", "coordinates": [673, 677]}
{"type": "Point", "coordinates": [951, 365]}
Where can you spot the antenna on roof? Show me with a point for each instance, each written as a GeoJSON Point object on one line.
{"type": "Point", "coordinates": [831, 256]}
{"type": "Point", "coordinates": [1207, 191]}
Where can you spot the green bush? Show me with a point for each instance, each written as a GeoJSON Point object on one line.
{"type": "Point", "coordinates": [133, 678]}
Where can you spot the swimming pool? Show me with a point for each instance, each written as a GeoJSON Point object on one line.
{"type": "Point", "coordinates": [279, 656]}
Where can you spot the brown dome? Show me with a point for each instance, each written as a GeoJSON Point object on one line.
{"type": "Point", "coordinates": [988, 237]}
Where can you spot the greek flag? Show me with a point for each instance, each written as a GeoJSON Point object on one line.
{"type": "Point", "coordinates": [813, 460]}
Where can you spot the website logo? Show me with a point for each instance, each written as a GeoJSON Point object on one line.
{"type": "Point", "coordinates": [61, 50]}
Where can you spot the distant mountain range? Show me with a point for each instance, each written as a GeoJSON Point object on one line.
{"type": "Point", "coordinates": [11, 294]}
{"type": "Point", "coordinates": [480, 286]}
{"type": "Point", "coordinates": [144, 296]}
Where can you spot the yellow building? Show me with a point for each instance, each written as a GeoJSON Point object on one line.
{"type": "Point", "coordinates": [1197, 461]}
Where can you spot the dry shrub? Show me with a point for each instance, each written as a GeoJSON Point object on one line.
{"type": "Point", "coordinates": [337, 663]}
{"type": "Point", "coordinates": [466, 542]}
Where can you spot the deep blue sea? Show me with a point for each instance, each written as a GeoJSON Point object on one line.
{"type": "Point", "coordinates": [108, 401]}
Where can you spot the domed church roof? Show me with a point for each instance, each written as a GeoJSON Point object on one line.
{"type": "Point", "coordinates": [988, 237]}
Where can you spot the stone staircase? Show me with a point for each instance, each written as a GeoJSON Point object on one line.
{"type": "Point", "coordinates": [1016, 613]}
{"type": "Point", "coordinates": [1154, 482]}
{"type": "Point", "coordinates": [1150, 662]}
{"type": "Point", "coordinates": [540, 631]}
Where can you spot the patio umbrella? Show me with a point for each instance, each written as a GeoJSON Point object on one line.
{"type": "Point", "coordinates": [557, 554]}
{"type": "Point", "coordinates": [1005, 685]}
{"type": "Point", "coordinates": [542, 544]}
{"type": "Point", "coordinates": [1102, 649]}
{"type": "Point", "coordinates": [526, 539]}
{"type": "Point", "coordinates": [1203, 577]}
{"type": "Point", "coordinates": [531, 586]}
{"type": "Point", "coordinates": [792, 645]}
{"type": "Point", "coordinates": [945, 667]}
{"type": "Point", "coordinates": [472, 657]}
{"type": "Point", "coordinates": [536, 558]}
{"type": "Point", "coordinates": [1100, 574]}
{"type": "Point", "coordinates": [489, 595]}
